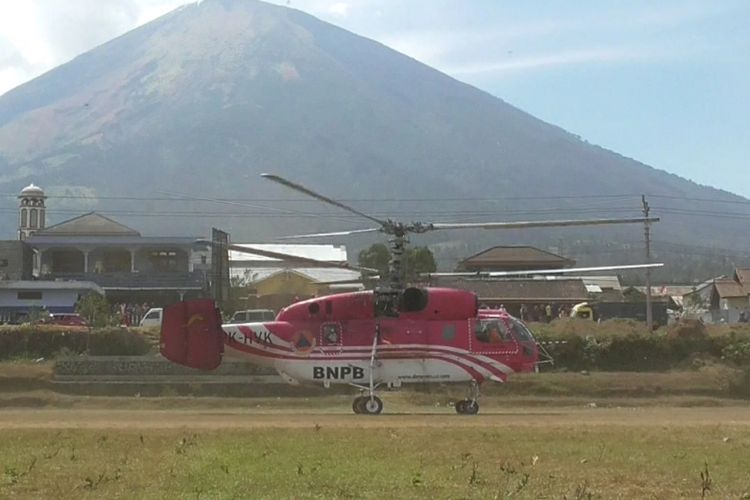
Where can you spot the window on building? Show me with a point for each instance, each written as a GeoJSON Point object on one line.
{"type": "Point", "coordinates": [24, 218]}
{"type": "Point", "coordinates": [41, 218]}
{"type": "Point", "coordinates": [3, 262]}
{"type": "Point", "coordinates": [29, 295]}
{"type": "Point", "coordinates": [164, 260]}
{"type": "Point", "coordinates": [34, 219]}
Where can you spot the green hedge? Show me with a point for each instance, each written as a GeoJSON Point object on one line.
{"type": "Point", "coordinates": [644, 352]}
{"type": "Point", "coordinates": [30, 341]}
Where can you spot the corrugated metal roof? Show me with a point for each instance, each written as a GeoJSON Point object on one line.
{"type": "Point", "coordinates": [316, 274]}
{"type": "Point", "coordinates": [325, 253]}
{"type": "Point", "coordinates": [668, 290]}
{"type": "Point", "coordinates": [603, 282]}
{"type": "Point", "coordinates": [50, 285]}
{"type": "Point", "coordinates": [46, 241]}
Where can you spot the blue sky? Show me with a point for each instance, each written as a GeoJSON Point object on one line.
{"type": "Point", "coordinates": [663, 82]}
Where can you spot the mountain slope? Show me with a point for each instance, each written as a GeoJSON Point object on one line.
{"type": "Point", "coordinates": [205, 98]}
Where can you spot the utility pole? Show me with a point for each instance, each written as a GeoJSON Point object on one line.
{"type": "Point", "coordinates": [647, 234]}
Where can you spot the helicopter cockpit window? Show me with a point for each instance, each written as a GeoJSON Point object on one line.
{"type": "Point", "coordinates": [522, 331]}
{"type": "Point", "coordinates": [331, 333]}
{"type": "Point", "coordinates": [492, 331]}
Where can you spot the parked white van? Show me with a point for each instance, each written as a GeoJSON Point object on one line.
{"type": "Point", "coordinates": [252, 316]}
{"type": "Point", "coordinates": [152, 319]}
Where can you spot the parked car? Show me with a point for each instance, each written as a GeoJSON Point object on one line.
{"type": "Point", "coordinates": [152, 319]}
{"type": "Point", "coordinates": [253, 316]}
{"type": "Point", "coordinates": [64, 319]}
{"type": "Point", "coordinates": [68, 319]}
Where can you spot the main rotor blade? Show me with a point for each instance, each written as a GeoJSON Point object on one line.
{"type": "Point", "coordinates": [500, 274]}
{"type": "Point", "coordinates": [320, 197]}
{"type": "Point", "coordinates": [541, 223]}
{"type": "Point", "coordinates": [337, 233]}
{"type": "Point", "coordinates": [292, 259]}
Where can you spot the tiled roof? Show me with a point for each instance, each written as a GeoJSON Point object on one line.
{"type": "Point", "coordinates": [730, 288]}
{"type": "Point", "coordinates": [742, 274]}
{"type": "Point", "coordinates": [515, 255]}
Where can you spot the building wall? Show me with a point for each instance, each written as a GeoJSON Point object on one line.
{"type": "Point", "coordinates": [16, 260]}
{"type": "Point", "coordinates": [740, 303]}
{"type": "Point", "coordinates": [52, 300]}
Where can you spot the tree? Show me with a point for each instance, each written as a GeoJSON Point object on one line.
{"type": "Point", "coordinates": [415, 261]}
{"type": "Point", "coordinates": [418, 260]}
{"type": "Point", "coordinates": [95, 309]}
{"type": "Point", "coordinates": [375, 257]}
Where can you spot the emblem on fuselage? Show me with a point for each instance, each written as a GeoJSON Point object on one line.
{"type": "Point", "coordinates": [303, 342]}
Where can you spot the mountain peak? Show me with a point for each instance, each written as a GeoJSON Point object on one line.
{"type": "Point", "coordinates": [216, 92]}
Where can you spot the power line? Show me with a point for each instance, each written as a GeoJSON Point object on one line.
{"type": "Point", "coordinates": [304, 200]}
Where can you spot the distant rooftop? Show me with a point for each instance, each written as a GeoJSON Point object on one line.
{"type": "Point", "coordinates": [316, 274]}
{"type": "Point", "coordinates": [515, 256]}
{"type": "Point", "coordinates": [90, 224]}
{"type": "Point", "coordinates": [325, 253]}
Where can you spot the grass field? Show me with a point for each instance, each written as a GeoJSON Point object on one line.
{"type": "Point", "coordinates": [278, 451]}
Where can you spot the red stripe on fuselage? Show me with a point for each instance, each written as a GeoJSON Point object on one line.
{"type": "Point", "coordinates": [402, 353]}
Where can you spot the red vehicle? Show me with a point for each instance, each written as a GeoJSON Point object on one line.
{"type": "Point", "coordinates": [389, 336]}
{"type": "Point", "coordinates": [67, 319]}
{"type": "Point", "coordinates": [440, 336]}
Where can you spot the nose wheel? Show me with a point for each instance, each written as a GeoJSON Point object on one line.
{"type": "Point", "coordinates": [467, 407]}
{"type": "Point", "coordinates": [470, 405]}
{"type": "Point", "coordinates": [367, 405]}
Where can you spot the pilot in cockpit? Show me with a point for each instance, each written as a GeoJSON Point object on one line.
{"type": "Point", "coordinates": [490, 332]}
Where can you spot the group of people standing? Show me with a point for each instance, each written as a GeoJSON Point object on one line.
{"type": "Point", "coordinates": [538, 312]}
{"type": "Point", "coordinates": [545, 313]}
{"type": "Point", "coordinates": [130, 314]}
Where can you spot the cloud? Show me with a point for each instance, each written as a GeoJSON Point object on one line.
{"type": "Point", "coordinates": [38, 35]}
{"type": "Point", "coordinates": [510, 63]}
{"type": "Point", "coordinates": [339, 9]}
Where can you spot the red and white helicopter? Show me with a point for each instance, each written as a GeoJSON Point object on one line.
{"type": "Point", "coordinates": [389, 336]}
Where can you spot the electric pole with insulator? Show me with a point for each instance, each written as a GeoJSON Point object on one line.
{"type": "Point", "coordinates": [647, 234]}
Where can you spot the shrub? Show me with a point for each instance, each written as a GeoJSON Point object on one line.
{"type": "Point", "coordinates": [737, 350]}
{"type": "Point", "coordinates": [42, 341]}
{"type": "Point", "coordinates": [641, 351]}
{"type": "Point", "coordinates": [739, 385]}
{"type": "Point", "coordinates": [117, 342]}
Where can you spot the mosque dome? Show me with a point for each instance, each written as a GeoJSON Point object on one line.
{"type": "Point", "coordinates": [32, 190]}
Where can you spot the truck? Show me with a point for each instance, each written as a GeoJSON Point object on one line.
{"type": "Point", "coordinates": [601, 311]}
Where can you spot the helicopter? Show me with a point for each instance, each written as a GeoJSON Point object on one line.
{"type": "Point", "coordinates": [387, 337]}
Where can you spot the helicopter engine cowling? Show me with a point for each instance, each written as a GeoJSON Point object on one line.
{"type": "Point", "coordinates": [438, 304]}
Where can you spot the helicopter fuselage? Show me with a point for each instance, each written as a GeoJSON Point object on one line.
{"type": "Point", "coordinates": [440, 336]}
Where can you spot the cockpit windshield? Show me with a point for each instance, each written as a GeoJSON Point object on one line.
{"type": "Point", "coordinates": [522, 331]}
{"type": "Point", "coordinates": [492, 331]}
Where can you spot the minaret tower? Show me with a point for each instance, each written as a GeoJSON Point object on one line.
{"type": "Point", "coordinates": [32, 212]}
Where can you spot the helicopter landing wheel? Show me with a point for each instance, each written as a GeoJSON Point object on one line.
{"type": "Point", "coordinates": [358, 404]}
{"type": "Point", "coordinates": [467, 407]}
{"type": "Point", "coordinates": [368, 405]}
